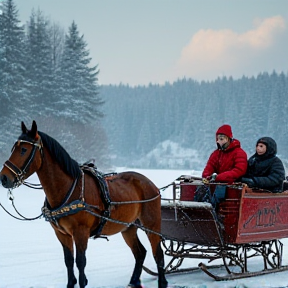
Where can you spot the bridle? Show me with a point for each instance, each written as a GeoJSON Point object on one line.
{"type": "Point", "coordinates": [20, 172]}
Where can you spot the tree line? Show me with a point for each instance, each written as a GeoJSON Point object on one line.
{"type": "Point", "coordinates": [189, 112]}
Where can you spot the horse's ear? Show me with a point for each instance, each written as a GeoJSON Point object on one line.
{"type": "Point", "coordinates": [23, 127]}
{"type": "Point", "coordinates": [34, 131]}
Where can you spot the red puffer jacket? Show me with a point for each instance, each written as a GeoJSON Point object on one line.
{"type": "Point", "coordinates": [229, 164]}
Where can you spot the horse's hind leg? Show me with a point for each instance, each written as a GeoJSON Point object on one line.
{"type": "Point", "coordinates": [67, 244]}
{"type": "Point", "coordinates": [159, 258]}
{"type": "Point", "coordinates": [151, 219]}
{"type": "Point", "coordinates": [139, 252]}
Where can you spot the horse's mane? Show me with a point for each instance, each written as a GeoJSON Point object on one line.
{"type": "Point", "coordinates": [69, 165]}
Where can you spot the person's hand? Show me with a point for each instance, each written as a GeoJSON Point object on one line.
{"type": "Point", "coordinates": [187, 178]}
{"type": "Point", "coordinates": [213, 177]}
{"type": "Point", "coordinates": [249, 181]}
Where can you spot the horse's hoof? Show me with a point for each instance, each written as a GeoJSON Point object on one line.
{"type": "Point", "coordinates": [84, 284]}
{"type": "Point", "coordinates": [72, 284]}
{"type": "Point", "coordinates": [133, 286]}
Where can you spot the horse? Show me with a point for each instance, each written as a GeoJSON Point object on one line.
{"type": "Point", "coordinates": [78, 209]}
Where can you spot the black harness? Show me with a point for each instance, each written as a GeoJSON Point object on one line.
{"type": "Point", "coordinates": [66, 209]}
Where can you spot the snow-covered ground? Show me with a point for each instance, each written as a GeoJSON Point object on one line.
{"type": "Point", "coordinates": [31, 256]}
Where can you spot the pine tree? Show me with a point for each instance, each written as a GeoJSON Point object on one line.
{"type": "Point", "coordinates": [12, 72]}
{"type": "Point", "coordinates": [78, 105]}
{"type": "Point", "coordinates": [2, 59]}
{"type": "Point", "coordinates": [12, 58]}
{"type": "Point", "coordinates": [57, 36]}
{"type": "Point", "coordinates": [40, 69]}
{"type": "Point", "coordinates": [79, 99]}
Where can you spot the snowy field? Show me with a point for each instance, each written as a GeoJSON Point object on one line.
{"type": "Point", "coordinates": [31, 256]}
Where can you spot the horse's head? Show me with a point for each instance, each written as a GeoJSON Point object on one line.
{"type": "Point", "coordinates": [25, 159]}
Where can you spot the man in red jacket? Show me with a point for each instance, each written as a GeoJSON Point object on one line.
{"type": "Point", "coordinates": [229, 161]}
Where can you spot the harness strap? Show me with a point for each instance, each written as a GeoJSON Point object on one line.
{"type": "Point", "coordinates": [55, 214]}
{"type": "Point", "coordinates": [13, 168]}
{"type": "Point", "coordinates": [68, 195]}
{"type": "Point", "coordinates": [104, 194]}
{"type": "Point", "coordinates": [105, 215]}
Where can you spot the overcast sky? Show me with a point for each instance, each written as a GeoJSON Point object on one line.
{"type": "Point", "coordinates": [138, 42]}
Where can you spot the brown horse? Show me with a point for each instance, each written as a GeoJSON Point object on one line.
{"type": "Point", "coordinates": [77, 207]}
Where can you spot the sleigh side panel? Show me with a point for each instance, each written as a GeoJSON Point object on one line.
{"type": "Point", "coordinates": [192, 222]}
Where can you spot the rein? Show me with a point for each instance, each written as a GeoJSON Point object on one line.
{"type": "Point", "coordinates": [20, 176]}
{"type": "Point", "coordinates": [127, 224]}
{"type": "Point", "coordinates": [23, 218]}
{"type": "Point", "coordinates": [134, 202]}
{"type": "Point", "coordinates": [33, 186]}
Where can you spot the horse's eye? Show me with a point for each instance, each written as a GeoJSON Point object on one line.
{"type": "Point", "coordinates": [23, 151]}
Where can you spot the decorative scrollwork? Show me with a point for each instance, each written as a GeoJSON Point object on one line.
{"type": "Point", "coordinates": [235, 256]}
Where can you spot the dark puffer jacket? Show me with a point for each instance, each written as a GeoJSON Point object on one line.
{"type": "Point", "coordinates": [267, 170]}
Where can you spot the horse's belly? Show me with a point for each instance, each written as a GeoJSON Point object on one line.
{"type": "Point", "coordinates": [120, 219]}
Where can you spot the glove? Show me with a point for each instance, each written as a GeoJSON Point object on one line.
{"type": "Point", "coordinates": [187, 178]}
{"type": "Point", "coordinates": [205, 180]}
{"type": "Point", "coordinates": [213, 177]}
{"type": "Point", "coordinates": [249, 181]}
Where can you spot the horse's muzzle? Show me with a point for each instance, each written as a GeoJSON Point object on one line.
{"type": "Point", "coordinates": [6, 182]}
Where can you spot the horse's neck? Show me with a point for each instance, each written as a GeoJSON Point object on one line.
{"type": "Point", "coordinates": [54, 181]}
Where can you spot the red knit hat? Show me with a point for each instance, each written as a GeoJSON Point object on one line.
{"type": "Point", "coordinates": [226, 130]}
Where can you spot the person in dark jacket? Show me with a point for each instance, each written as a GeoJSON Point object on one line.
{"type": "Point", "coordinates": [229, 162]}
{"type": "Point", "coordinates": [265, 169]}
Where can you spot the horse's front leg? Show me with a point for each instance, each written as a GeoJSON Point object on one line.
{"type": "Point", "coordinates": [81, 237]}
{"type": "Point", "coordinates": [67, 244]}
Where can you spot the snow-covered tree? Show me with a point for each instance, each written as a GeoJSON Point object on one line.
{"type": "Point", "coordinates": [12, 73]}
{"type": "Point", "coordinates": [77, 102]}
{"type": "Point", "coordinates": [12, 51]}
{"type": "Point", "coordinates": [2, 59]}
{"type": "Point", "coordinates": [77, 79]}
{"type": "Point", "coordinates": [40, 69]}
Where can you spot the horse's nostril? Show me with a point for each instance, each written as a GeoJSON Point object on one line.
{"type": "Point", "coordinates": [3, 180]}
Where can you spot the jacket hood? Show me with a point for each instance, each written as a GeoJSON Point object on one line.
{"type": "Point", "coordinates": [271, 146]}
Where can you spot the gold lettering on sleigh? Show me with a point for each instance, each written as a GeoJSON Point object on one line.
{"type": "Point", "coordinates": [263, 217]}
